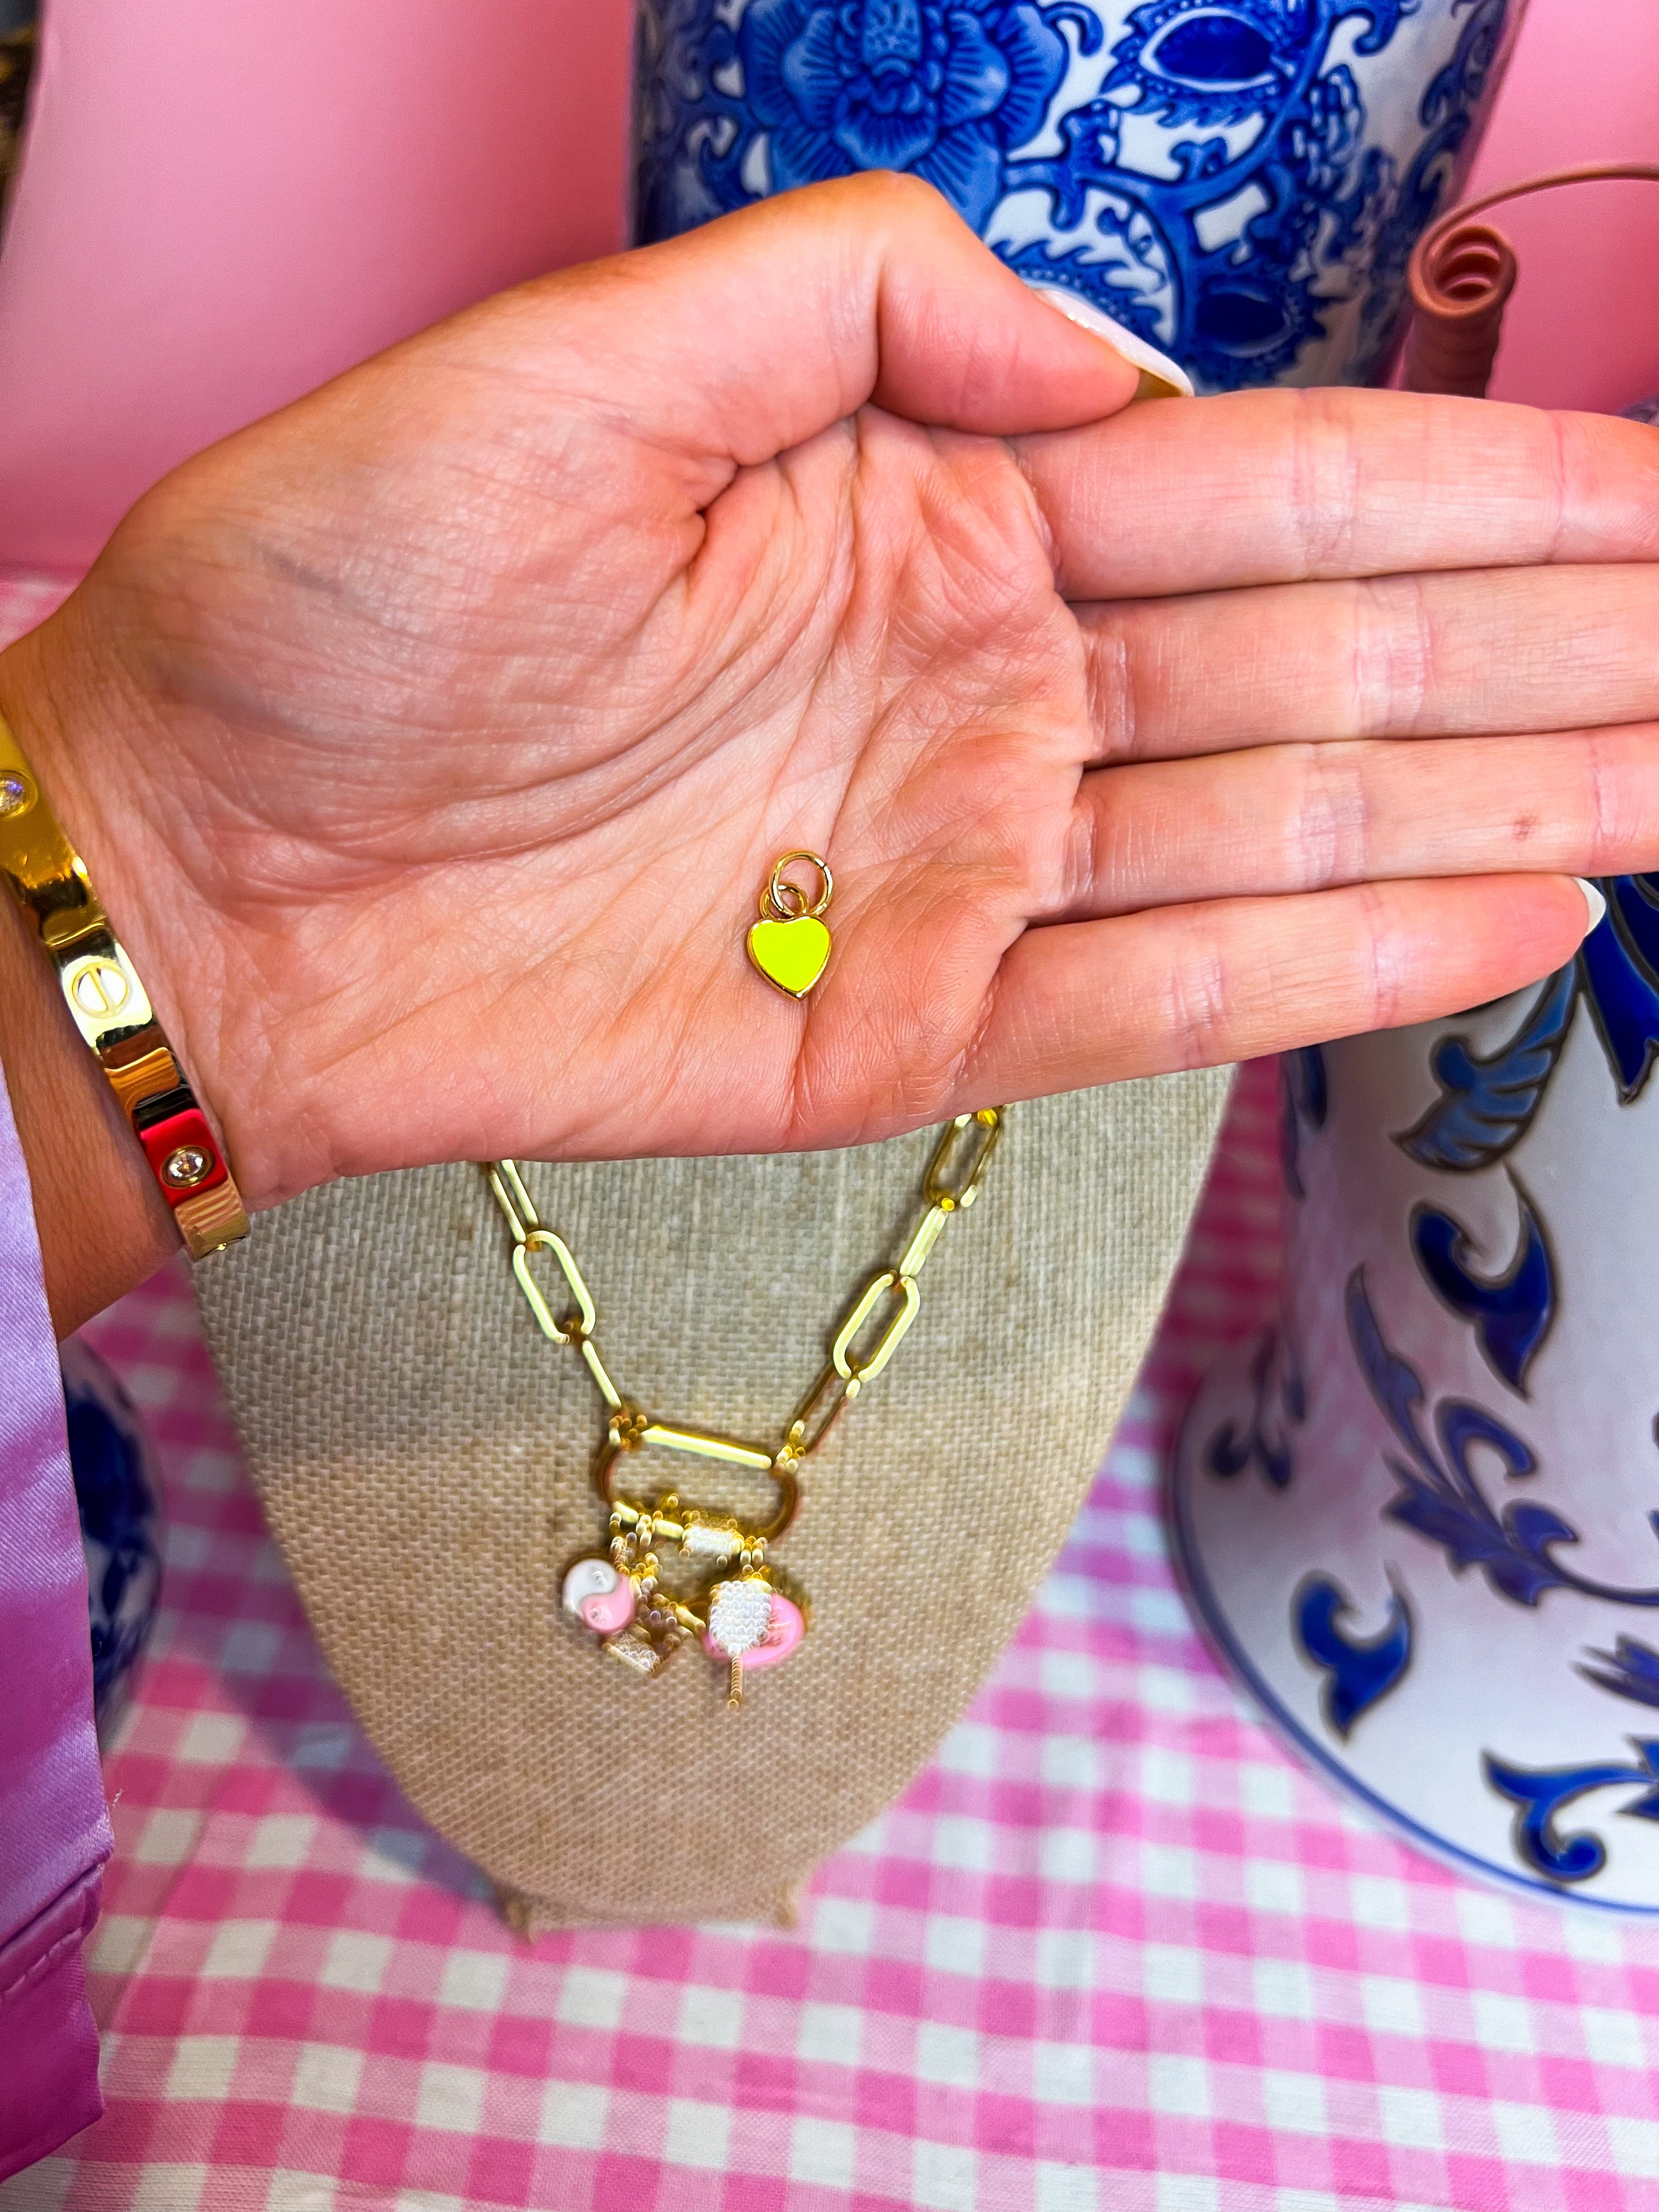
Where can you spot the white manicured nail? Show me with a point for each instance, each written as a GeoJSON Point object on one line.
{"type": "Point", "coordinates": [1594, 900]}
{"type": "Point", "coordinates": [1160, 376]}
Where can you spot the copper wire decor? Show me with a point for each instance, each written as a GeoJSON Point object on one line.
{"type": "Point", "coordinates": [1462, 275]}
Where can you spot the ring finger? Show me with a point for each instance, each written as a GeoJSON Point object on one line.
{"type": "Point", "coordinates": [1305, 818]}
{"type": "Point", "coordinates": [1487, 650]}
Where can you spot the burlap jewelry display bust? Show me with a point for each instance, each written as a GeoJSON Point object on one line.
{"type": "Point", "coordinates": [423, 1455]}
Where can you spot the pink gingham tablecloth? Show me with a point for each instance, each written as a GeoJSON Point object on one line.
{"type": "Point", "coordinates": [1112, 1951]}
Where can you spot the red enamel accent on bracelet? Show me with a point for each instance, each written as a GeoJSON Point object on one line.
{"type": "Point", "coordinates": [183, 1156]}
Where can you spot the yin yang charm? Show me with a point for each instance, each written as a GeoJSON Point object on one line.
{"type": "Point", "coordinates": [623, 1605]}
{"type": "Point", "coordinates": [600, 1597]}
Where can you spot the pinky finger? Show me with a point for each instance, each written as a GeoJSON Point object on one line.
{"type": "Point", "coordinates": [1091, 1002]}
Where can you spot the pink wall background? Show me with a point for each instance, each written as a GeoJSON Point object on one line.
{"type": "Point", "coordinates": [222, 204]}
{"type": "Point", "coordinates": [1582, 328]}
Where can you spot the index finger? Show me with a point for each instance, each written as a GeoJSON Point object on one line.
{"type": "Point", "coordinates": [1285, 486]}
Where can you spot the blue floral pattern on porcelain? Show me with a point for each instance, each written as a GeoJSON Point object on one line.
{"type": "Point", "coordinates": [1556, 1513]}
{"type": "Point", "coordinates": [1360, 1671]}
{"type": "Point", "coordinates": [1510, 1313]}
{"type": "Point", "coordinates": [1538, 1795]}
{"type": "Point", "coordinates": [1239, 182]}
{"type": "Point", "coordinates": [897, 84]}
{"type": "Point", "coordinates": [118, 1491]}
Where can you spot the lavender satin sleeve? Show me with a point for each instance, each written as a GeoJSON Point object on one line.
{"type": "Point", "coordinates": [54, 1827]}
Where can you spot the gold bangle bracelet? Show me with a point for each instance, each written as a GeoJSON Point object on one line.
{"type": "Point", "coordinates": [111, 1008]}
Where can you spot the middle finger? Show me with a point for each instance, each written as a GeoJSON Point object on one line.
{"type": "Point", "coordinates": [1487, 650]}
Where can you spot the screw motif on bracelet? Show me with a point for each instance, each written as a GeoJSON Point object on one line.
{"type": "Point", "coordinates": [111, 1008]}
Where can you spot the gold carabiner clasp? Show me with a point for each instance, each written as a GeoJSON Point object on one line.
{"type": "Point", "coordinates": [629, 1431]}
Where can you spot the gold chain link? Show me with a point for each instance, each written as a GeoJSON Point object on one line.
{"type": "Point", "coordinates": [949, 1188]}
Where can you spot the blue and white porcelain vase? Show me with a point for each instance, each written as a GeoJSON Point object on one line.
{"type": "Point", "coordinates": [1420, 1517]}
{"type": "Point", "coordinates": [1239, 183]}
{"type": "Point", "coordinates": [118, 1489]}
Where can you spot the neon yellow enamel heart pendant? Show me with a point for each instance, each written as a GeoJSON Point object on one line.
{"type": "Point", "coordinates": [790, 945]}
{"type": "Point", "coordinates": [790, 954]}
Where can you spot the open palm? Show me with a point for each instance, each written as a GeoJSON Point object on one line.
{"type": "Point", "coordinates": [431, 741]}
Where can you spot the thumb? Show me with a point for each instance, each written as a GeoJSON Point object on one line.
{"type": "Point", "coordinates": [743, 338]}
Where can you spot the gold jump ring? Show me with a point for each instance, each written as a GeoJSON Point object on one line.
{"type": "Point", "coordinates": [776, 888]}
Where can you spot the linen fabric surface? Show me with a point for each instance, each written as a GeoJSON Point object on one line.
{"type": "Point", "coordinates": [54, 1828]}
{"type": "Point", "coordinates": [423, 1454]}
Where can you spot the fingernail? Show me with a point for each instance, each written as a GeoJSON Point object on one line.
{"type": "Point", "coordinates": [1160, 377]}
{"type": "Point", "coordinates": [1595, 900]}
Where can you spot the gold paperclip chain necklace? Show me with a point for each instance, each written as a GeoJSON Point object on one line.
{"type": "Point", "coordinates": [749, 1615]}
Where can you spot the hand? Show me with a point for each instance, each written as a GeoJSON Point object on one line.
{"type": "Point", "coordinates": [429, 742]}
